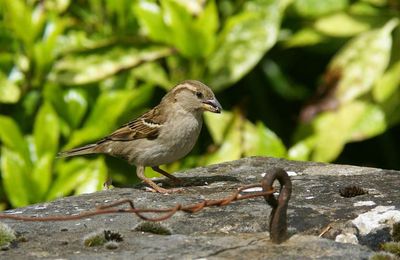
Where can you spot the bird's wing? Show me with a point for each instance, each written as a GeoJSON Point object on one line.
{"type": "Point", "coordinates": [147, 126]}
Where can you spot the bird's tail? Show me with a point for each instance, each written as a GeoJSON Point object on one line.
{"type": "Point", "coordinates": [87, 149]}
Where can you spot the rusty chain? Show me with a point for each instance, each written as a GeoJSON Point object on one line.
{"type": "Point", "coordinates": [278, 217]}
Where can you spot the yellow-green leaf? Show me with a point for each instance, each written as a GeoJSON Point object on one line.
{"type": "Point", "coordinates": [85, 69]}
{"type": "Point", "coordinates": [362, 61]}
{"type": "Point", "coordinates": [305, 37]}
{"type": "Point", "coordinates": [11, 137]}
{"type": "Point", "coordinates": [301, 151]}
{"type": "Point", "coordinates": [230, 148]}
{"type": "Point", "coordinates": [354, 121]}
{"type": "Point", "coordinates": [315, 8]}
{"type": "Point", "coordinates": [259, 140]}
{"type": "Point", "coordinates": [9, 91]}
{"type": "Point", "coordinates": [42, 176]}
{"type": "Point", "coordinates": [341, 25]}
{"type": "Point", "coordinates": [218, 124]}
{"type": "Point", "coordinates": [388, 83]}
{"type": "Point", "coordinates": [151, 18]}
{"type": "Point", "coordinates": [254, 28]}
{"type": "Point", "coordinates": [78, 174]}
{"type": "Point", "coordinates": [14, 173]}
{"type": "Point", "coordinates": [101, 121]}
{"type": "Point", "coordinates": [46, 130]}
{"type": "Point", "coordinates": [95, 177]}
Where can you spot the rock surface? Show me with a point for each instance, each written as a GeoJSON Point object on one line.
{"type": "Point", "coordinates": [238, 230]}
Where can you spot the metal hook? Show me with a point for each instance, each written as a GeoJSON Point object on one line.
{"type": "Point", "coordinates": [278, 217]}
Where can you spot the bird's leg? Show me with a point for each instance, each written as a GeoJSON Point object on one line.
{"type": "Point", "coordinates": [152, 184]}
{"type": "Point", "coordinates": [166, 174]}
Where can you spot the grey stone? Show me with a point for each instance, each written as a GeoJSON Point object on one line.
{"type": "Point", "coordinates": [377, 218]}
{"type": "Point", "coordinates": [238, 230]}
{"type": "Point", "coordinates": [347, 238]}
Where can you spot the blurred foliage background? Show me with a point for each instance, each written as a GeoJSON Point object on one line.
{"type": "Point", "coordinates": [298, 79]}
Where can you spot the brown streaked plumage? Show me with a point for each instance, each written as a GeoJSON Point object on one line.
{"type": "Point", "coordinates": [162, 135]}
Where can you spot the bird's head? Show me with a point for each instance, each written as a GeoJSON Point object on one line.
{"type": "Point", "coordinates": [193, 95]}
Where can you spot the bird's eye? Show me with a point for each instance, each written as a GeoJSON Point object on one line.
{"type": "Point", "coordinates": [199, 94]}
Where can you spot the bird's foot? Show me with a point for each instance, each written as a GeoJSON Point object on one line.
{"type": "Point", "coordinates": [153, 185]}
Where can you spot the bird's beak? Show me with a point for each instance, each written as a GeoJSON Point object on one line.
{"type": "Point", "coordinates": [212, 105]}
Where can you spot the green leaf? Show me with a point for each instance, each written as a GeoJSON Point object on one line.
{"type": "Point", "coordinates": [71, 104]}
{"type": "Point", "coordinates": [190, 37]}
{"type": "Point", "coordinates": [206, 25]}
{"type": "Point", "coordinates": [259, 140]}
{"type": "Point", "coordinates": [78, 174]}
{"type": "Point", "coordinates": [154, 73]}
{"type": "Point", "coordinates": [208, 21]}
{"type": "Point", "coordinates": [359, 67]}
{"type": "Point", "coordinates": [58, 6]}
{"type": "Point", "coordinates": [150, 17]}
{"type": "Point", "coordinates": [192, 7]}
{"type": "Point", "coordinates": [25, 22]}
{"type": "Point", "coordinates": [352, 122]}
{"type": "Point", "coordinates": [391, 107]}
{"type": "Point", "coordinates": [238, 137]}
{"type": "Point", "coordinates": [95, 177]}
{"type": "Point", "coordinates": [230, 148]}
{"type": "Point", "coordinates": [80, 41]}
{"type": "Point", "coordinates": [387, 84]}
{"type": "Point", "coordinates": [370, 123]}
{"type": "Point", "coordinates": [180, 23]}
{"type": "Point", "coordinates": [44, 51]}
{"type": "Point", "coordinates": [370, 11]}
{"type": "Point", "coordinates": [218, 124]}
{"type": "Point", "coordinates": [102, 114]}
{"type": "Point", "coordinates": [193, 35]}
{"type": "Point", "coordinates": [15, 177]}
{"type": "Point", "coordinates": [315, 8]}
{"type": "Point", "coordinates": [121, 14]}
{"type": "Point", "coordinates": [31, 102]}
{"type": "Point", "coordinates": [141, 96]}
{"type": "Point", "coordinates": [376, 2]}
{"type": "Point", "coordinates": [108, 108]}
{"type": "Point", "coordinates": [11, 137]}
{"type": "Point", "coordinates": [42, 176]}
{"type": "Point", "coordinates": [341, 25]}
{"type": "Point", "coordinates": [305, 37]}
{"type": "Point", "coordinates": [46, 130]}
{"type": "Point", "coordinates": [332, 131]}
{"type": "Point", "coordinates": [244, 40]}
{"type": "Point", "coordinates": [85, 69]}
{"type": "Point", "coordinates": [9, 91]}
{"type": "Point", "coordinates": [76, 105]}
{"type": "Point", "coordinates": [302, 150]}
{"type": "Point", "coordinates": [69, 175]}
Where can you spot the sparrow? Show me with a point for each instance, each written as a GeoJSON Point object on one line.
{"type": "Point", "coordinates": [162, 135]}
